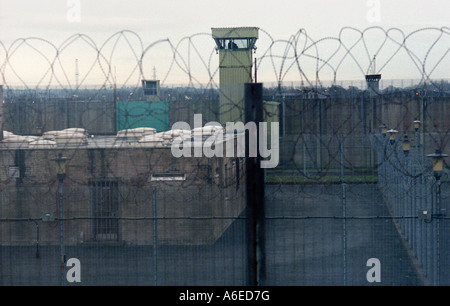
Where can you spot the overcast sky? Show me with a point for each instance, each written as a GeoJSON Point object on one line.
{"type": "Point", "coordinates": [56, 20]}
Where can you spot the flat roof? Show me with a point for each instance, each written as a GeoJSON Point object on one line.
{"type": "Point", "coordinates": [100, 142]}
{"type": "Point", "coordinates": [238, 32]}
{"type": "Point", "coordinates": [373, 76]}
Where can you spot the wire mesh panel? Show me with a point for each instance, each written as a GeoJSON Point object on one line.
{"type": "Point", "coordinates": [415, 199]}
{"type": "Point", "coordinates": [155, 202]}
{"type": "Point", "coordinates": [161, 250]}
{"type": "Point", "coordinates": [327, 233]}
{"type": "Point", "coordinates": [444, 239]}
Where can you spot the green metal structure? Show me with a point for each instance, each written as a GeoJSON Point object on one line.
{"type": "Point", "coordinates": [134, 114]}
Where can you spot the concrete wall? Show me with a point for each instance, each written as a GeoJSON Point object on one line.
{"type": "Point", "coordinates": [362, 115]}
{"type": "Point", "coordinates": [313, 121]}
{"type": "Point", "coordinates": [188, 208]}
{"type": "Point", "coordinates": [25, 116]}
{"type": "Point", "coordinates": [314, 126]}
{"type": "Point", "coordinates": [97, 117]}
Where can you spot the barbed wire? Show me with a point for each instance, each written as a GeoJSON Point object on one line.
{"type": "Point", "coordinates": [328, 133]}
{"type": "Point", "coordinates": [282, 56]}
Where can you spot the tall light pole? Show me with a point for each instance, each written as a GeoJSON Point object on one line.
{"type": "Point", "coordinates": [420, 190]}
{"type": "Point", "coordinates": [393, 149]}
{"type": "Point", "coordinates": [61, 174]}
{"type": "Point", "coordinates": [438, 167]}
{"type": "Point", "coordinates": [407, 207]}
{"type": "Point", "coordinates": [383, 130]}
{"type": "Point", "coordinates": [416, 124]}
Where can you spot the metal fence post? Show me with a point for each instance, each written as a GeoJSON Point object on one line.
{"type": "Point", "coordinates": [438, 229]}
{"type": "Point", "coordinates": [344, 209]}
{"type": "Point", "coordinates": [61, 229]}
{"type": "Point", "coordinates": [155, 235]}
{"type": "Point", "coordinates": [255, 189]}
{"type": "Point", "coordinates": [304, 160]}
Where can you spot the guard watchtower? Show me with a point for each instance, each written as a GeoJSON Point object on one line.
{"type": "Point", "coordinates": [151, 89]}
{"type": "Point", "coordinates": [373, 84]}
{"type": "Point", "coordinates": [235, 47]}
{"type": "Point", "coordinates": [373, 80]}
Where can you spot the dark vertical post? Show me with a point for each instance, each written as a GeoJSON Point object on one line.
{"type": "Point", "coordinates": [438, 247]}
{"type": "Point", "coordinates": [19, 162]}
{"type": "Point", "coordinates": [115, 107]}
{"type": "Point", "coordinates": [344, 208]}
{"type": "Point", "coordinates": [37, 239]}
{"type": "Point", "coordinates": [256, 71]}
{"type": "Point", "coordinates": [255, 189]}
{"type": "Point", "coordinates": [155, 235]}
{"type": "Point", "coordinates": [1, 112]}
{"type": "Point", "coordinates": [61, 225]}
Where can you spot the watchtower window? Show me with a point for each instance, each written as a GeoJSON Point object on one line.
{"type": "Point", "coordinates": [235, 43]}
{"type": "Point", "coordinates": [150, 88]}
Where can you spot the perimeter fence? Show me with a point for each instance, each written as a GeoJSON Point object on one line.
{"type": "Point", "coordinates": [344, 206]}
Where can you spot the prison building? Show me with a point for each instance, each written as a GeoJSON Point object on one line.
{"type": "Point", "coordinates": [123, 189]}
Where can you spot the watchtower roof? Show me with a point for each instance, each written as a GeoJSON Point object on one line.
{"type": "Point", "coordinates": [239, 32]}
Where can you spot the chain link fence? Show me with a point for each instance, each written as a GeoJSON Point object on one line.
{"type": "Point", "coordinates": [320, 229]}
{"type": "Point", "coordinates": [418, 201]}
{"type": "Point", "coordinates": [345, 205]}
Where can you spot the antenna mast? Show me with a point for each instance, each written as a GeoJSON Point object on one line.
{"type": "Point", "coordinates": [115, 86]}
{"type": "Point", "coordinates": [374, 65]}
{"type": "Point", "coordinates": [76, 73]}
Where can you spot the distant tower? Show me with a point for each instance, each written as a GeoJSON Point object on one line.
{"type": "Point", "coordinates": [373, 83]}
{"type": "Point", "coordinates": [235, 46]}
{"type": "Point", "coordinates": [151, 89]}
{"type": "Point", "coordinates": [373, 80]}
